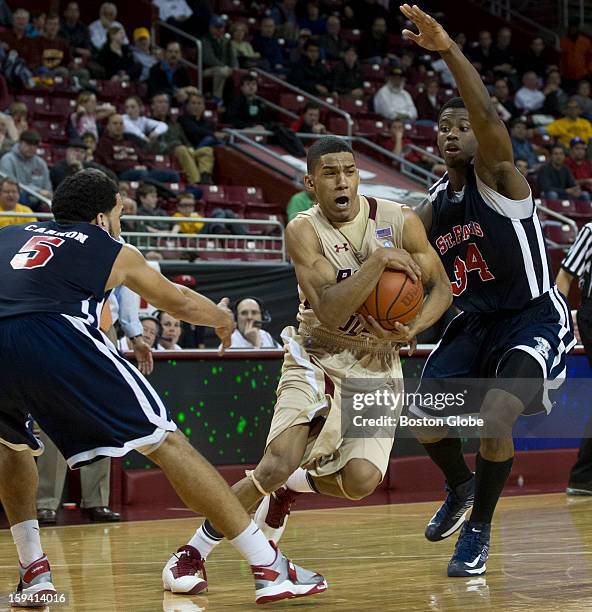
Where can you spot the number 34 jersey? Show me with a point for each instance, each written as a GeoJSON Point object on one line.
{"type": "Point", "coordinates": [492, 248]}
{"type": "Point", "coordinates": [53, 268]}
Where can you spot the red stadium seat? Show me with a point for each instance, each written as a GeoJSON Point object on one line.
{"type": "Point", "coordinates": [565, 207]}
{"type": "Point", "coordinates": [372, 127]}
{"type": "Point", "coordinates": [63, 106]}
{"type": "Point", "coordinates": [354, 107]}
{"type": "Point", "coordinates": [242, 193]}
{"type": "Point", "coordinates": [214, 193]}
{"type": "Point", "coordinates": [236, 207]}
{"type": "Point", "coordinates": [373, 72]}
{"type": "Point", "coordinates": [559, 233]}
{"type": "Point", "coordinates": [51, 131]}
{"type": "Point", "coordinates": [35, 103]}
{"type": "Point", "coordinates": [292, 102]}
{"type": "Point", "coordinates": [260, 229]}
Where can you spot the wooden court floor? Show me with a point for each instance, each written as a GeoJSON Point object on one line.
{"type": "Point", "coordinates": [374, 558]}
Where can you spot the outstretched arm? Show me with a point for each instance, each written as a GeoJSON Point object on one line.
{"type": "Point", "coordinates": [494, 162]}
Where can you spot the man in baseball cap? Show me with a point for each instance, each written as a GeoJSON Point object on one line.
{"type": "Point", "coordinates": [580, 167]}
{"type": "Point", "coordinates": [143, 52]}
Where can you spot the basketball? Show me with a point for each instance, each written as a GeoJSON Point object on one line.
{"type": "Point", "coordinates": [396, 298]}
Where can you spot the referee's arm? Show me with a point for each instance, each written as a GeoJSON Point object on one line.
{"type": "Point", "coordinates": [576, 261]}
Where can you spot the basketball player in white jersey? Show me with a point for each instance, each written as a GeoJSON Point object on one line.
{"type": "Point", "coordinates": [340, 249]}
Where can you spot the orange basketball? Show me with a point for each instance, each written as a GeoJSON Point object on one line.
{"type": "Point", "coordinates": [396, 298]}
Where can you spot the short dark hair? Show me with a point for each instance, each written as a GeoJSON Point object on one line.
{"type": "Point", "coordinates": [8, 181]}
{"type": "Point", "coordinates": [311, 42]}
{"type": "Point", "coordinates": [558, 146]}
{"type": "Point", "coordinates": [82, 196]}
{"type": "Point", "coordinates": [247, 78]}
{"type": "Point", "coordinates": [452, 103]}
{"type": "Point", "coordinates": [312, 106]}
{"type": "Point", "coordinates": [323, 146]}
{"type": "Point", "coordinates": [516, 120]}
{"type": "Point", "coordinates": [145, 189]}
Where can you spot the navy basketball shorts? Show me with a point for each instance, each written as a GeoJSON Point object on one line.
{"type": "Point", "coordinates": [68, 377]}
{"type": "Point", "coordinates": [478, 345]}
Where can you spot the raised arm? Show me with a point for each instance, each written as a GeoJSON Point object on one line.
{"type": "Point", "coordinates": [494, 162]}
{"type": "Point", "coordinates": [333, 302]}
{"type": "Point", "coordinates": [132, 270]}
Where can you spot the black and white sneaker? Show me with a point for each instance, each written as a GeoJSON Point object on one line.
{"type": "Point", "coordinates": [452, 513]}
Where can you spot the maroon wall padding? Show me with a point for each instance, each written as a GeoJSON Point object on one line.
{"type": "Point", "coordinates": [235, 168]}
{"type": "Point", "coordinates": [409, 479]}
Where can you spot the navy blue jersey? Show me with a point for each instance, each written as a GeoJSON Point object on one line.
{"type": "Point", "coordinates": [52, 268]}
{"type": "Point", "coordinates": [494, 262]}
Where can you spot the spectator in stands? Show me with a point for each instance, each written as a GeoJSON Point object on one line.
{"type": "Point", "coordinates": [147, 198]}
{"type": "Point", "coordinates": [581, 168]}
{"type": "Point", "coordinates": [283, 14]}
{"type": "Point", "coordinates": [361, 14]}
{"type": "Point", "coordinates": [555, 98]}
{"type": "Point", "coordinates": [576, 54]}
{"type": "Point", "coordinates": [482, 54]}
{"type": "Point", "coordinates": [427, 102]}
{"type": "Point", "coordinates": [24, 165]}
{"type": "Point", "coordinates": [266, 43]}
{"type": "Point", "coordinates": [570, 126]}
{"type": "Point", "coordinates": [529, 98]}
{"type": "Point", "coordinates": [299, 202]}
{"type": "Point", "coordinates": [196, 154]}
{"type": "Point", "coordinates": [297, 52]}
{"type": "Point", "coordinates": [313, 20]}
{"type": "Point", "coordinates": [84, 119]}
{"type": "Point", "coordinates": [373, 47]}
{"type": "Point", "coordinates": [151, 330]}
{"type": "Point", "coordinates": [555, 180]}
{"type": "Point", "coordinates": [90, 142]}
{"type": "Point", "coordinates": [170, 332]}
{"type": "Point", "coordinates": [8, 133]}
{"type": "Point", "coordinates": [169, 76]}
{"type": "Point", "coordinates": [186, 208]}
{"type": "Point", "coordinates": [19, 112]}
{"type": "Point", "coordinates": [98, 29]}
{"type": "Point", "coordinates": [392, 101]}
{"type": "Point", "coordinates": [501, 92]}
{"type": "Point", "coordinates": [248, 333]}
{"type": "Point", "coordinates": [37, 24]}
{"type": "Point", "coordinates": [521, 145]}
{"type": "Point", "coordinates": [584, 100]}
{"type": "Point", "coordinates": [136, 126]}
{"type": "Point", "coordinates": [9, 202]}
{"type": "Point", "coordinates": [310, 122]}
{"type": "Point", "coordinates": [310, 74]}
{"type": "Point", "coordinates": [246, 111]}
{"type": "Point", "coordinates": [49, 46]}
{"type": "Point", "coordinates": [347, 77]}
{"type": "Point", "coordinates": [74, 161]}
{"type": "Point", "coordinates": [503, 55]}
{"type": "Point", "coordinates": [116, 57]}
{"type": "Point", "coordinates": [130, 207]}
{"type": "Point", "coordinates": [536, 59]}
{"type": "Point", "coordinates": [143, 52]}
{"type": "Point", "coordinates": [247, 56]}
{"type": "Point", "coordinates": [15, 38]}
{"type": "Point", "coordinates": [522, 166]}
{"type": "Point", "coordinates": [74, 32]}
{"type": "Point", "coordinates": [219, 57]}
{"type": "Point", "coordinates": [333, 45]}
{"type": "Point", "coordinates": [126, 159]}
{"type": "Point", "coordinates": [175, 12]}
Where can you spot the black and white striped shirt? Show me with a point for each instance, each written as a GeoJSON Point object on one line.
{"type": "Point", "coordinates": [578, 261]}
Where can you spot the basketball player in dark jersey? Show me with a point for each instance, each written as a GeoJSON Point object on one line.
{"type": "Point", "coordinates": [481, 218]}
{"type": "Point", "coordinates": [61, 370]}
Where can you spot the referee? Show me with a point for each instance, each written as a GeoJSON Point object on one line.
{"type": "Point", "coordinates": [578, 264]}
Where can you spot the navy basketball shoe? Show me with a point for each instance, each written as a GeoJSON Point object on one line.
{"type": "Point", "coordinates": [471, 550]}
{"type": "Point", "coordinates": [451, 514]}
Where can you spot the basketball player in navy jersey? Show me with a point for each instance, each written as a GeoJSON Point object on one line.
{"type": "Point", "coordinates": [514, 324]}
{"type": "Point", "coordinates": [58, 366]}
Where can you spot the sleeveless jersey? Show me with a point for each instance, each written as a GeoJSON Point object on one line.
{"type": "Point", "coordinates": [384, 227]}
{"type": "Point", "coordinates": [494, 262]}
{"type": "Point", "coordinates": [53, 268]}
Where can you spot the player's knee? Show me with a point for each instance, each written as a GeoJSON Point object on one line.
{"type": "Point", "coordinates": [359, 478]}
{"type": "Point", "coordinates": [497, 449]}
{"type": "Point", "coordinates": [273, 470]}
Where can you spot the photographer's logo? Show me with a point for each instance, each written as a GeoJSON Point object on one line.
{"type": "Point", "coordinates": [543, 347]}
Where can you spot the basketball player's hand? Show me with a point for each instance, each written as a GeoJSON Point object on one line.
{"type": "Point", "coordinates": [399, 259]}
{"type": "Point", "coordinates": [224, 304]}
{"type": "Point", "coordinates": [224, 331]}
{"type": "Point", "coordinates": [432, 36]}
{"type": "Point", "coordinates": [143, 355]}
{"type": "Point", "coordinates": [401, 335]}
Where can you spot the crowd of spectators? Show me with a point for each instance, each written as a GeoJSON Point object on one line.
{"type": "Point", "coordinates": [329, 50]}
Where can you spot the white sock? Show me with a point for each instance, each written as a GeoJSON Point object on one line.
{"type": "Point", "coordinates": [299, 482]}
{"type": "Point", "coordinates": [202, 541]}
{"type": "Point", "coordinates": [253, 546]}
{"type": "Point", "coordinates": [27, 541]}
